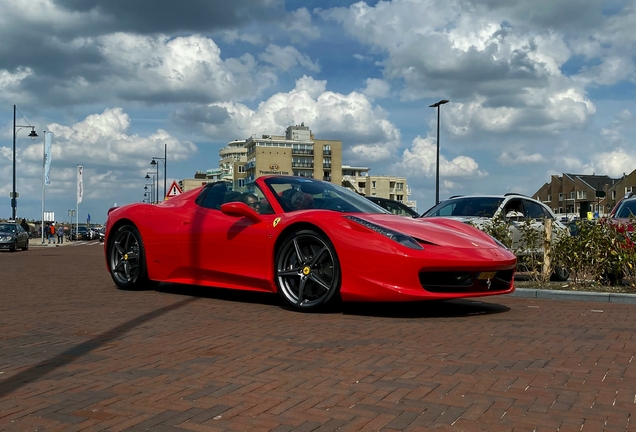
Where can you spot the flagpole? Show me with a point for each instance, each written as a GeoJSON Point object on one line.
{"type": "Point", "coordinates": [43, 174]}
{"type": "Point", "coordinates": [77, 205]}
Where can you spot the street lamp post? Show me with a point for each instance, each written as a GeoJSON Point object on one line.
{"type": "Point", "coordinates": [163, 159]}
{"type": "Point", "coordinates": [152, 187]}
{"type": "Point", "coordinates": [437, 105]}
{"type": "Point", "coordinates": [14, 195]}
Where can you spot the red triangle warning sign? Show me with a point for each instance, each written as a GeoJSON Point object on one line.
{"type": "Point", "coordinates": [173, 190]}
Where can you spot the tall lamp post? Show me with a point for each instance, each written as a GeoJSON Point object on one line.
{"type": "Point", "coordinates": [14, 195]}
{"type": "Point", "coordinates": [152, 187]}
{"type": "Point", "coordinates": [164, 159]}
{"type": "Point", "coordinates": [437, 105]}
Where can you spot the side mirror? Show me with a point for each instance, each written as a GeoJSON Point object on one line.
{"type": "Point", "coordinates": [239, 209]}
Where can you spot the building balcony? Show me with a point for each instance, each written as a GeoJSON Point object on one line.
{"type": "Point", "coordinates": [302, 152]}
{"type": "Point", "coordinates": [302, 164]}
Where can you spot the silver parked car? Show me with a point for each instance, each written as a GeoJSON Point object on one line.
{"type": "Point", "coordinates": [514, 208]}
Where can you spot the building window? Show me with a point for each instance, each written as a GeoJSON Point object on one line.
{"type": "Point", "coordinates": [628, 189]}
{"type": "Point", "coordinates": [549, 197]}
{"type": "Point", "coordinates": [581, 194]}
{"type": "Point", "coordinates": [560, 197]}
{"type": "Point", "coordinates": [326, 149]}
{"type": "Point", "coordinates": [241, 168]}
{"type": "Point", "coordinates": [373, 184]}
{"type": "Point", "coordinates": [399, 186]}
{"type": "Point", "coordinates": [241, 183]}
{"type": "Point", "coordinates": [571, 195]}
{"type": "Point", "coordinates": [613, 194]}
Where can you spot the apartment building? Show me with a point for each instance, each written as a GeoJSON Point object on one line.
{"type": "Point", "coordinates": [578, 194]}
{"type": "Point", "coordinates": [297, 153]}
{"type": "Point", "coordinates": [392, 187]}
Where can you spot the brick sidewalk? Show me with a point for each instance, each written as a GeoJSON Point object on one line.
{"type": "Point", "coordinates": [77, 354]}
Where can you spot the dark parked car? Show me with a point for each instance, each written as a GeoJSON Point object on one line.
{"type": "Point", "coordinates": [81, 234]}
{"type": "Point", "coordinates": [13, 236]}
{"type": "Point", "coordinates": [395, 207]}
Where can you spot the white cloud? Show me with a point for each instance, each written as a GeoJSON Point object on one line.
{"type": "Point", "coordinates": [505, 74]}
{"type": "Point", "coordinates": [376, 88]}
{"type": "Point", "coordinates": [285, 58]}
{"type": "Point", "coordinates": [517, 156]}
{"type": "Point", "coordinates": [102, 144]}
{"type": "Point", "coordinates": [614, 163]}
{"type": "Point", "coordinates": [420, 161]}
{"type": "Point", "coordinates": [365, 131]}
{"type": "Point", "coordinates": [298, 25]}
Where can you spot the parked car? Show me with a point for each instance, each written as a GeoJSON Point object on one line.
{"type": "Point", "coordinates": [80, 234]}
{"type": "Point", "coordinates": [395, 207]}
{"type": "Point", "coordinates": [515, 208]}
{"type": "Point", "coordinates": [13, 236]}
{"type": "Point", "coordinates": [623, 216]}
{"type": "Point", "coordinates": [309, 241]}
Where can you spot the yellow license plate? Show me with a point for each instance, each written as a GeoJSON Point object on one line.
{"type": "Point", "coordinates": [486, 275]}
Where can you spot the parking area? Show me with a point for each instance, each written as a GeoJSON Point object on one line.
{"type": "Point", "coordinates": [77, 354]}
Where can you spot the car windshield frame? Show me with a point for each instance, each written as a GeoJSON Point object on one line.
{"type": "Point", "coordinates": [324, 196]}
{"type": "Point", "coordinates": [468, 206]}
{"type": "Point", "coordinates": [626, 210]}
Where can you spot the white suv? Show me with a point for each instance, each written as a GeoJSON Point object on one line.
{"type": "Point", "coordinates": [514, 208]}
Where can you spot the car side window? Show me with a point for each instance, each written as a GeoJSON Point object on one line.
{"type": "Point", "coordinates": [533, 210]}
{"type": "Point", "coordinates": [514, 205]}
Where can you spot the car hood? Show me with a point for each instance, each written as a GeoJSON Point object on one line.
{"type": "Point", "coordinates": [437, 230]}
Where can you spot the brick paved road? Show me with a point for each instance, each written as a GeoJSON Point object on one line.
{"type": "Point", "coordinates": [77, 354]}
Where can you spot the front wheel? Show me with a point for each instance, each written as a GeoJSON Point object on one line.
{"type": "Point", "coordinates": [560, 274]}
{"type": "Point", "coordinates": [127, 260]}
{"type": "Point", "coordinates": [307, 270]}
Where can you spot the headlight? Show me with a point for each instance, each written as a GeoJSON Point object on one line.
{"type": "Point", "coordinates": [400, 238]}
{"type": "Point", "coordinates": [6, 238]}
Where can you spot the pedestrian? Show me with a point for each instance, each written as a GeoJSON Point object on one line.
{"type": "Point", "coordinates": [51, 233]}
{"type": "Point", "coordinates": [60, 234]}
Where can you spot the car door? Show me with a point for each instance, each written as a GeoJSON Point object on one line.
{"type": "Point", "coordinates": [22, 237]}
{"type": "Point", "coordinates": [226, 250]}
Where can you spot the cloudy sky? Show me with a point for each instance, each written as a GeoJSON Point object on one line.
{"type": "Point", "coordinates": [535, 88]}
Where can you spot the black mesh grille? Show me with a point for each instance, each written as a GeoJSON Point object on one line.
{"type": "Point", "coordinates": [465, 282]}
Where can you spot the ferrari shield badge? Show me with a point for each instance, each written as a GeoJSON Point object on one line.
{"type": "Point", "coordinates": [276, 222]}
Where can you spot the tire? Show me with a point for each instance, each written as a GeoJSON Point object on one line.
{"type": "Point", "coordinates": [560, 274]}
{"type": "Point", "coordinates": [307, 270]}
{"type": "Point", "coordinates": [14, 247]}
{"type": "Point", "coordinates": [127, 259]}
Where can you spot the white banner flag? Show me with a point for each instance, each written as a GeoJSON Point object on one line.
{"type": "Point", "coordinates": [80, 184]}
{"type": "Point", "coordinates": [47, 157]}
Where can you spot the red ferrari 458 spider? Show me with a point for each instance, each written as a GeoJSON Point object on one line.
{"type": "Point", "coordinates": [309, 240]}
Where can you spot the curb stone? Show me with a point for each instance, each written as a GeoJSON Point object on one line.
{"type": "Point", "coordinates": [579, 295]}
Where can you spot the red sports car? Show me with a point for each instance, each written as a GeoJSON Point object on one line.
{"type": "Point", "coordinates": [309, 240]}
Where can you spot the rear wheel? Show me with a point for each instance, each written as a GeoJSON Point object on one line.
{"type": "Point", "coordinates": [307, 270]}
{"type": "Point", "coordinates": [127, 260]}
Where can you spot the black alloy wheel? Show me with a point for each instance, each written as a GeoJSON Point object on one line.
{"type": "Point", "coordinates": [307, 270]}
{"type": "Point", "coordinates": [126, 259]}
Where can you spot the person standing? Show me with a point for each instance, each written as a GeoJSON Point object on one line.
{"type": "Point", "coordinates": [51, 233]}
{"type": "Point", "coordinates": [60, 234]}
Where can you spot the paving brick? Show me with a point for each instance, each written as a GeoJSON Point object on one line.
{"type": "Point", "coordinates": [85, 356]}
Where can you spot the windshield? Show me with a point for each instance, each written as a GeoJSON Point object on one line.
{"type": "Point", "coordinates": [294, 193]}
{"type": "Point", "coordinates": [627, 209]}
{"type": "Point", "coordinates": [7, 228]}
{"type": "Point", "coordinates": [466, 206]}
